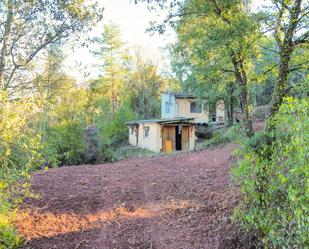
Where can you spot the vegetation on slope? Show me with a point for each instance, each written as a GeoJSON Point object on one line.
{"type": "Point", "coordinates": [273, 178]}
{"type": "Point", "coordinates": [223, 52]}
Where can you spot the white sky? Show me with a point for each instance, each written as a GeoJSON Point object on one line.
{"type": "Point", "coordinates": [133, 21]}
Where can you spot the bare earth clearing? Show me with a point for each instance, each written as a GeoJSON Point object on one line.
{"type": "Point", "coordinates": [170, 202]}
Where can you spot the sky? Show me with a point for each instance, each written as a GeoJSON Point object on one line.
{"type": "Point", "coordinates": [133, 21]}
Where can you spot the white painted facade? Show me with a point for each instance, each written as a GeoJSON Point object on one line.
{"type": "Point", "coordinates": [220, 112]}
{"type": "Point", "coordinates": [173, 107]}
{"type": "Point", "coordinates": [153, 141]}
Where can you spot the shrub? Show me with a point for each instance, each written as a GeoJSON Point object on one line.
{"type": "Point", "coordinates": [259, 112]}
{"type": "Point", "coordinates": [273, 178]}
{"type": "Point", "coordinates": [20, 149]}
{"type": "Point", "coordinates": [8, 235]}
{"type": "Point", "coordinates": [130, 151]}
{"type": "Point", "coordinates": [114, 130]}
{"type": "Point", "coordinates": [223, 136]}
{"type": "Point", "coordinates": [65, 144]}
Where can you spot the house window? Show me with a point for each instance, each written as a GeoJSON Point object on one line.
{"type": "Point", "coordinates": [132, 130]}
{"type": "Point", "coordinates": [167, 107]}
{"type": "Point", "coordinates": [195, 107]}
{"type": "Point", "coordinates": [146, 131]}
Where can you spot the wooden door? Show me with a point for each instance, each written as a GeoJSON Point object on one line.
{"type": "Point", "coordinates": [185, 137]}
{"type": "Point", "coordinates": [168, 133]}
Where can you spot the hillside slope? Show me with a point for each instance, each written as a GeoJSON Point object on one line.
{"type": "Point", "coordinates": [170, 202]}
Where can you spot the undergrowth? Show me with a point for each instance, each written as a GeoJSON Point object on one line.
{"type": "Point", "coordinates": [130, 151]}
{"type": "Point", "coordinates": [223, 136]}
{"type": "Point", "coordinates": [273, 179]}
{"type": "Point", "coordinates": [9, 238]}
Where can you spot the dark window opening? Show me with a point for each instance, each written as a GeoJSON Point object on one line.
{"type": "Point", "coordinates": [146, 131]}
{"type": "Point", "coordinates": [195, 107]}
{"type": "Point", "coordinates": [212, 113]}
{"type": "Point", "coordinates": [167, 107]}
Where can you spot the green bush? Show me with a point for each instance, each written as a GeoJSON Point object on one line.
{"type": "Point", "coordinates": [259, 112]}
{"type": "Point", "coordinates": [223, 136]}
{"type": "Point", "coordinates": [65, 144]}
{"type": "Point", "coordinates": [113, 132]}
{"type": "Point", "coordinates": [130, 151]}
{"type": "Point", "coordinates": [114, 129]}
{"type": "Point", "coordinates": [273, 178]}
{"type": "Point", "coordinates": [8, 236]}
{"type": "Point", "coordinates": [20, 152]}
{"type": "Point", "coordinates": [106, 150]}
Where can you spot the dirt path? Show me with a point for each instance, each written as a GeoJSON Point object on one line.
{"type": "Point", "coordinates": [175, 202]}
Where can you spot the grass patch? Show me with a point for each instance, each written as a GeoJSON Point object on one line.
{"type": "Point", "coordinates": [130, 151]}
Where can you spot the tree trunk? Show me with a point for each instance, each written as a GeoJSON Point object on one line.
{"type": "Point", "coordinates": [230, 104]}
{"type": "Point", "coordinates": [280, 88]}
{"type": "Point", "coordinates": [241, 78]}
{"type": "Point", "coordinates": [6, 37]}
{"type": "Point", "coordinates": [286, 45]}
{"type": "Point", "coordinates": [45, 113]}
{"type": "Point", "coordinates": [246, 113]}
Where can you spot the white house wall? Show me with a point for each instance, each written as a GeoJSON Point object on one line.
{"type": "Point", "coordinates": [220, 111]}
{"type": "Point", "coordinates": [152, 142]}
{"type": "Point", "coordinates": [184, 111]}
{"type": "Point", "coordinates": [171, 100]}
{"type": "Point", "coordinates": [133, 136]}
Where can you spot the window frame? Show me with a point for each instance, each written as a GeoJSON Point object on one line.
{"type": "Point", "coordinates": [167, 107]}
{"type": "Point", "coordinates": [146, 131]}
{"type": "Point", "coordinates": [196, 104]}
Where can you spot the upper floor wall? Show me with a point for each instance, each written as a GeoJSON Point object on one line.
{"type": "Point", "coordinates": [168, 106]}
{"type": "Point", "coordinates": [189, 108]}
{"type": "Point", "coordinates": [173, 106]}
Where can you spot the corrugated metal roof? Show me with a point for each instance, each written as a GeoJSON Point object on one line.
{"type": "Point", "coordinates": [162, 121]}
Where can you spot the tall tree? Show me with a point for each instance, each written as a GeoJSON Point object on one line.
{"type": "Point", "coordinates": [143, 87]}
{"type": "Point", "coordinates": [222, 31]}
{"type": "Point", "coordinates": [114, 59]}
{"type": "Point", "coordinates": [291, 33]}
{"type": "Point", "coordinates": [48, 82]}
{"type": "Point", "coordinates": [28, 26]}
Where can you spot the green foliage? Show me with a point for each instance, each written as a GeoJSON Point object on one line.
{"type": "Point", "coordinates": [260, 112]}
{"type": "Point", "coordinates": [222, 136]}
{"type": "Point", "coordinates": [129, 151]}
{"type": "Point", "coordinates": [273, 178]}
{"type": "Point", "coordinates": [8, 236]}
{"type": "Point", "coordinates": [19, 153]}
{"type": "Point", "coordinates": [19, 144]}
{"type": "Point", "coordinates": [113, 132]}
{"type": "Point", "coordinates": [65, 18]}
{"type": "Point", "coordinates": [65, 144]}
{"type": "Point", "coordinates": [115, 128]}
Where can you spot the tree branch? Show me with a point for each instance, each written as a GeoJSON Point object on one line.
{"type": "Point", "coordinates": [302, 39]}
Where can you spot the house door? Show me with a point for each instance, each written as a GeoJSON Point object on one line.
{"type": "Point", "coordinates": [178, 137]}
{"type": "Point", "coordinates": [168, 134]}
{"type": "Point", "coordinates": [185, 138]}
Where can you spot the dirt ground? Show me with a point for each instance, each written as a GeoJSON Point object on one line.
{"type": "Point", "coordinates": [168, 202]}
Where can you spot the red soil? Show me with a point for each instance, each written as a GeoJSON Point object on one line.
{"type": "Point", "coordinates": [170, 202]}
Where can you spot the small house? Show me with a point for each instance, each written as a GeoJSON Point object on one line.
{"type": "Point", "coordinates": [163, 135]}
{"type": "Point", "coordinates": [174, 104]}
{"type": "Point", "coordinates": [182, 117]}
